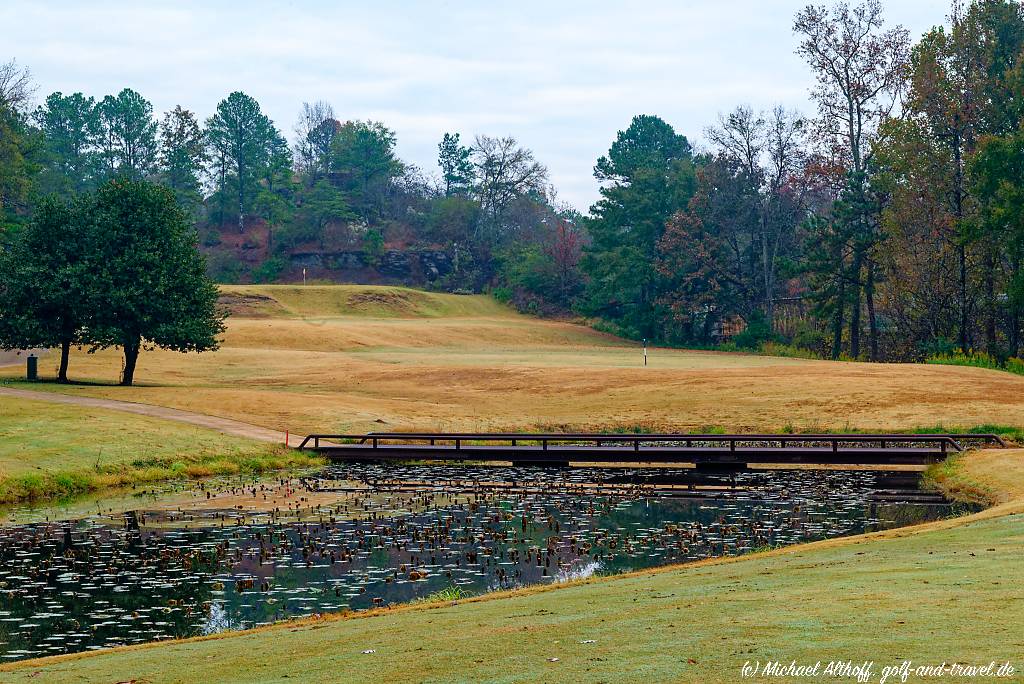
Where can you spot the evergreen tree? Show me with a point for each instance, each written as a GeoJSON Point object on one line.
{"type": "Point", "coordinates": [647, 175]}
{"type": "Point", "coordinates": [241, 136]}
{"type": "Point", "coordinates": [456, 165]}
{"type": "Point", "coordinates": [127, 134]}
{"type": "Point", "coordinates": [182, 155]}
{"type": "Point", "coordinates": [70, 127]}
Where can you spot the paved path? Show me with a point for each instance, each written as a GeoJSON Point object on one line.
{"type": "Point", "coordinates": [16, 357]}
{"type": "Point", "coordinates": [224, 425]}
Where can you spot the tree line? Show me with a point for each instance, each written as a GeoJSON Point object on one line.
{"type": "Point", "coordinates": [885, 225]}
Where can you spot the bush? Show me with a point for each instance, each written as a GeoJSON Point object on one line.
{"type": "Point", "coordinates": [211, 238]}
{"type": "Point", "coordinates": [373, 247]}
{"type": "Point", "coordinates": [270, 270]}
{"type": "Point", "coordinates": [757, 332]}
{"type": "Point", "coordinates": [223, 267]}
{"type": "Point", "coordinates": [968, 358]}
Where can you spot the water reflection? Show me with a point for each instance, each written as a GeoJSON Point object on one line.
{"type": "Point", "coordinates": [362, 535]}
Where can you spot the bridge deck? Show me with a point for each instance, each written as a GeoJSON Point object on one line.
{"type": "Point", "coordinates": [660, 454]}
{"type": "Point", "coordinates": [702, 450]}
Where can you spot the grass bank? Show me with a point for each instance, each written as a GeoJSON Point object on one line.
{"type": "Point", "coordinates": [56, 450]}
{"type": "Point", "coordinates": [943, 591]}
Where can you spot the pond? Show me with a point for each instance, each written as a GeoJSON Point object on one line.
{"type": "Point", "coordinates": [223, 555]}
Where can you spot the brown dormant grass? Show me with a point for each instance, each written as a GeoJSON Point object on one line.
{"type": "Point", "coordinates": [358, 358]}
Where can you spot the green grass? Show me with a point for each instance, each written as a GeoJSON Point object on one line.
{"type": "Point", "coordinates": [978, 360]}
{"type": "Point", "coordinates": [58, 450]}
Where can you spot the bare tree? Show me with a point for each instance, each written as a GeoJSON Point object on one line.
{"type": "Point", "coordinates": [861, 71]}
{"type": "Point", "coordinates": [768, 151]}
{"type": "Point", "coordinates": [16, 87]}
{"type": "Point", "coordinates": [505, 172]}
{"type": "Point", "coordinates": [314, 131]}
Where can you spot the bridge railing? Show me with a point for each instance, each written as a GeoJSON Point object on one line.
{"type": "Point", "coordinates": [375, 440]}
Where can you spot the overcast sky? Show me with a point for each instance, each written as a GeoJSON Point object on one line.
{"type": "Point", "coordinates": [560, 76]}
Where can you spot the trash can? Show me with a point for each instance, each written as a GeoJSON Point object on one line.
{"type": "Point", "coordinates": [33, 367]}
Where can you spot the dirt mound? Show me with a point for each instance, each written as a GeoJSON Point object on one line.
{"type": "Point", "coordinates": [386, 302]}
{"type": "Point", "coordinates": [249, 305]}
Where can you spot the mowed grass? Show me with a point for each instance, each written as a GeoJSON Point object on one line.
{"type": "Point", "coordinates": [49, 450]}
{"type": "Point", "coordinates": [353, 358]}
{"type": "Point", "coordinates": [944, 591]}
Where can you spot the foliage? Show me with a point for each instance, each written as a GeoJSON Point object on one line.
{"type": "Point", "coordinates": [242, 141]}
{"type": "Point", "coordinates": [373, 247]}
{"type": "Point", "coordinates": [648, 176]}
{"type": "Point", "coordinates": [977, 359]}
{"type": "Point", "coordinates": [153, 287]}
{"type": "Point", "coordinates": [182, 155]}
{"type": "Point", "coordinates": [270, 270]}
{"type": "Point", "coordinates": [48, 293]}
{"type": "Point", "coordinates": [456, 165]}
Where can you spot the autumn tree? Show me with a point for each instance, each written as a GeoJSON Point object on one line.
{"type": "Point", "coordinates": [505, 172]}
{"type": "Point", "coordinates": [859, 69]}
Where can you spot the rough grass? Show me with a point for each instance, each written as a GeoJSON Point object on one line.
{"type": "Point", "coordinates": [341, 358]}
{"type": "Point", "coordinates": [944, 591]}
{"type": "Point", "coordinates": [360, 300]}
{"type": "Point", "coordinates": [56, 450]}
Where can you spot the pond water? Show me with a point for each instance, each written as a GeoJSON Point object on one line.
{"type": "Point", "coordinates": [232, 555]}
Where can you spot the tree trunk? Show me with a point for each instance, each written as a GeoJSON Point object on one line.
{"type": "Point", "coordinates": [991, 308]}
{"type": "Point", "coordinates": [131, 355]}
{"type": "Point", "coordinates": [965, 343]}
{"type": "Point", "coordinates": [837, 320]}
{"type": "Point", "coordinates": [858, 260]}
{"type": "Point", "coordinates": [65, 352]}
{"type": "Point", "coordinates": [869, 293]}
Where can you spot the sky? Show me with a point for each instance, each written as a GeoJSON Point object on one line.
{"type": "Point", "coordinates": [561, 76]}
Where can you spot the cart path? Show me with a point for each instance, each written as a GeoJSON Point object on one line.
{"type": "Point", "coordinates": [224, 425]}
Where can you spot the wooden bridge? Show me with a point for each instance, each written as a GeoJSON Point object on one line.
{"type": "Point", "coordinates": [710, 451]}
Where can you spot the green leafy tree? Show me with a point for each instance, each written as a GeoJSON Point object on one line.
{"type": "Point", "coordinates": [128, 134]}
{"type": "Point", "coordinates": [647, 176]}
{"type": "Point", "coordinates": [456, 164]}
{"type": "Point", "coordinates": [997, 174]}
{"type": "Point", "coordinates": [152, 289]}
{"type": "Point", "coordinates": [318, 207]}
{"type": "Point", "coordinates": [182, 155]}
{"type": "Point", "coordinates": [241, 137]}
{"type": "Point", "coordinates": [364, 165]}
{"type": "Point", "coordinates": [47, 292]}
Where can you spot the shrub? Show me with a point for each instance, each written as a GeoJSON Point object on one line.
{"type": "Point", "coordinates": [968, 358]}
{"type": "Point", "coordinates": [757, 332]}
{"type": "Point", "coordinates": [270, 270]}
